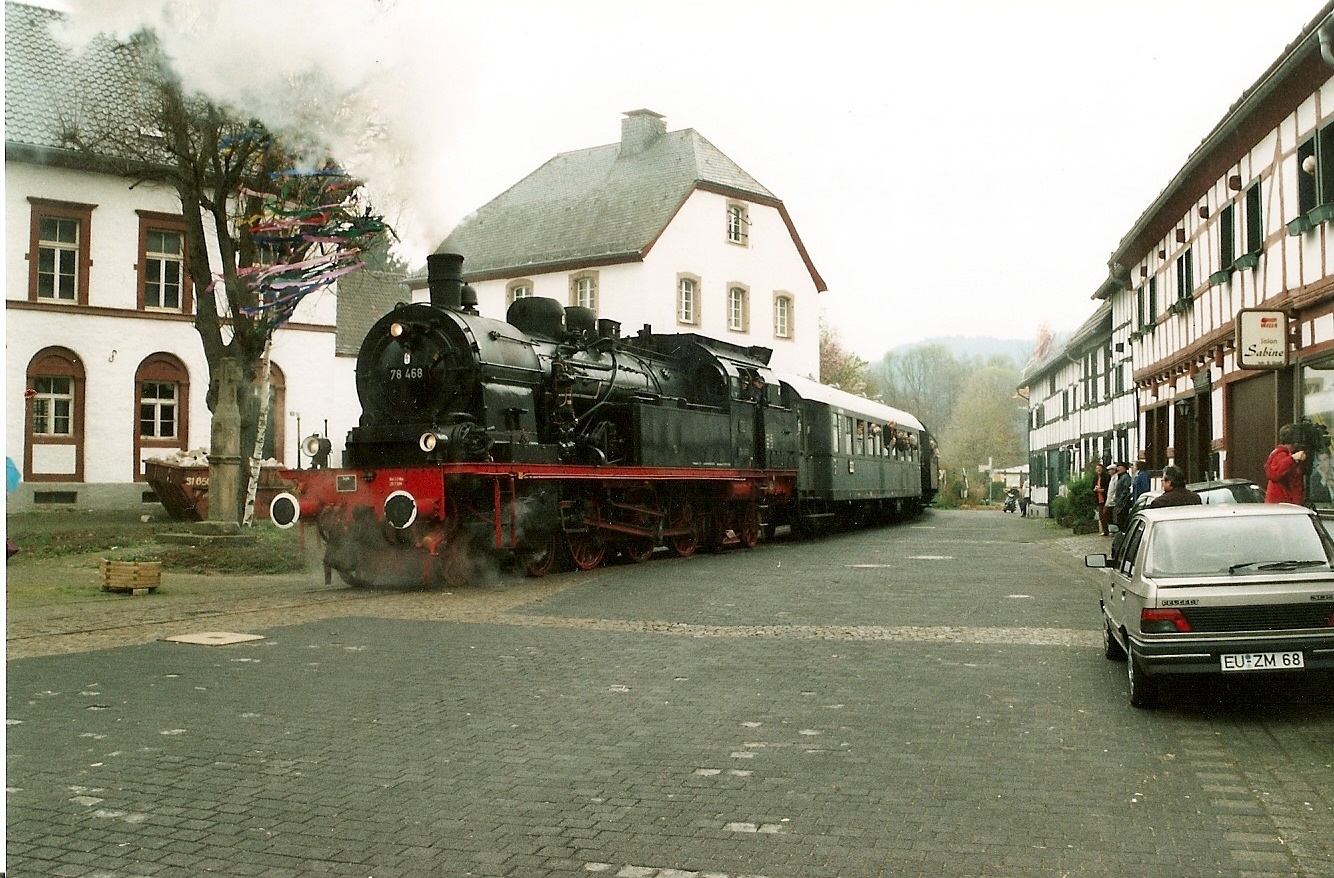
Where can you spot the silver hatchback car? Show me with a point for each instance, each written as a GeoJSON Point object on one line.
{"type": "Point", "coordinates": [1236, 588]}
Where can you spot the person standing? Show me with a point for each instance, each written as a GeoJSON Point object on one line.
{"type": "Point", "coordinates": [1285, 470]}
{"type": "Point", "coordinates": [1118, 495]}
{"type": "Point", "coordinates": [1140, 486]}
{"type": "Point", "coordinates": [1175, 492]}
{"type": "Point", "coordinates": [1101, 481]}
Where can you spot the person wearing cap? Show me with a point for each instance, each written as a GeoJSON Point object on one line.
{"type": "Point", "coordinates": [1118, 494]}
{"type": "Point", "coordinates": [1175, 492]}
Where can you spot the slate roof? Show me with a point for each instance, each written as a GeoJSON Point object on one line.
{"type": "Point", "coordinates": [47, 86]}
{"type": "Point", "coordinates": [363, 297]}
{"type": "Point", "coordinates": [599, 206]}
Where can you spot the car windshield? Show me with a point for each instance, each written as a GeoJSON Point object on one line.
{"type": "Point", "coordinates": [1247, 544]}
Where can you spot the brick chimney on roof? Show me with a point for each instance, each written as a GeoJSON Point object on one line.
{"type": "Point", "coordinates": [640, 129]}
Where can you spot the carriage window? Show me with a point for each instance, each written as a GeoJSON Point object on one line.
{"type": "Point", "coordinates": [861, 437]}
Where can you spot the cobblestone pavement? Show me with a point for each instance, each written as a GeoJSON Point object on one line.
{"type": "Point", "coordinates": [924, 699]}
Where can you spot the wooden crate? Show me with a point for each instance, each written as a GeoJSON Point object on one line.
{"type": "Point", "coordinates": [135, 577]}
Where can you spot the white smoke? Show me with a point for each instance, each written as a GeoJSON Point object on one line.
{"type": "Point", "coordinates": [370, 81]}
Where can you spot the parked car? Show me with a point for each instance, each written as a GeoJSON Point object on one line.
{"type": "Point", "coordinates": [1214, 491]}
{"type": "Point", "coordinates": [1220, 589]}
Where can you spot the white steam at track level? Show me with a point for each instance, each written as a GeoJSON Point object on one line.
{"type": "Point", "coordinates": [366, 79]}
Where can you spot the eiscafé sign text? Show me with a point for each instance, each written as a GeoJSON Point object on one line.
{"type": "Point", "coordinates": [1262, 339]}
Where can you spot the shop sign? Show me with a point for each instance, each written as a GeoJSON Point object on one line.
{"type": "Point", "coordinates": [1262, 339]}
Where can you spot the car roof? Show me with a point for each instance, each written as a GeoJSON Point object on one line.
{"type": "Point", "coordinates": [1218, 483]}
{"type": "Point", "coordinates": [1225, 510]}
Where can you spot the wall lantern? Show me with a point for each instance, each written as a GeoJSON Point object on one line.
{"type": "Point", "coordinates": [1162, 254]}
{"type": "Point", "coordinates": [1185, 407]}
{"type": "Point", "coordinates": [1234, 182]}
{"type": "Point", "coordinates": [1204, 211]}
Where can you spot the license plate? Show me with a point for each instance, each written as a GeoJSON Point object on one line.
{"type": "Point", "coordinates": [1264, 661]}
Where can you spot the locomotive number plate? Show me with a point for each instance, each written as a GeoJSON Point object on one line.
{"type": "Point", "coordinates": [1263, 661]}
{"type": "Point", "coordinates": [345, 484]}
{"type": "Point", "coordinates": [412, 373]}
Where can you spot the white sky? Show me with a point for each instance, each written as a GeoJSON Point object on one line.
{"type": "Point", "coordinates": [954, 168]}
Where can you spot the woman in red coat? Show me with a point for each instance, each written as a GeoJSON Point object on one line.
{"type": "Point", "coordinates": [1285, 471]}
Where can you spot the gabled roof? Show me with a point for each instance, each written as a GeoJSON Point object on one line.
{"type": "Point", "coordinates": [601, 206]}
{"type": "Point", "coordinates": [1096, 330]}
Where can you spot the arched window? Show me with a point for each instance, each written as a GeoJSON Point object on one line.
{"type": "Point", "coordinates": [518, 289]}
{"type": "Point", "coordinates": [162, 404]}
{"type": "Point", "coordinates": [53, 417]}
{"type": "Point", "coordinates": [275, 435]}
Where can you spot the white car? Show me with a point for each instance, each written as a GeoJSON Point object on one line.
{"type": "Point", "coordinates": [1224, 589]}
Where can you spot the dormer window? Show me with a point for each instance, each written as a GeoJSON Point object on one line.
{"type": "Point", "coordinates": [738, 223]}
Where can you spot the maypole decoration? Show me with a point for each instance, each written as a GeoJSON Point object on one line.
{"type": "Point", "coordinates": [315, 235]}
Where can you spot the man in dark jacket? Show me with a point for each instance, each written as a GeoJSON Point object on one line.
{"type": "Point", "coordinates": [1174, 490]}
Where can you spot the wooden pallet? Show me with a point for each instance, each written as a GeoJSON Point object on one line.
{"type": "Point", "coordinates": [133, 577]}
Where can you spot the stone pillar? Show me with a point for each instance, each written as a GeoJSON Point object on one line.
{"type": "Point", "coordinates": [224, 459]}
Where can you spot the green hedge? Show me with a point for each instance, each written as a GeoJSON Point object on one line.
{"type": "Point", "coordinates": [1078, 506]}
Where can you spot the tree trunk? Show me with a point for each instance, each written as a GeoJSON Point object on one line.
{"type": "Point", "coordinates": [224, 459]}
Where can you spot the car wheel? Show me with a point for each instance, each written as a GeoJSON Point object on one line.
{"type": "Point", "coordinates": [1111, 647]}
{"type": "Point", "coordinates": [1143, 688]}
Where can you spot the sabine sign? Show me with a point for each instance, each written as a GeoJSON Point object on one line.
{"type": "Point", "coordinates": [1262, 339]}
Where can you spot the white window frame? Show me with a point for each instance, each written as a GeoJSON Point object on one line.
{"type": "Point", "coordinates": [783, 312]}
{"type": "Point", "coordinates": [51, 405]}
{"type": "Point", "coordinates": [64, 269]}
{"type": "Point", "coordinates": [512, 291]}
{"type": "Point", "coordinates": [157, 264]}
{"type": "Point", "coordinates": [738, 308]}
{"type": "Point", "coordinates": [687, 299]}
{"type": "Point", "coordinates": [584, 290]}
{"type": "Point", "coordinates": [738, 223]}
{"type": "Point", "coordinates": [165, 409]}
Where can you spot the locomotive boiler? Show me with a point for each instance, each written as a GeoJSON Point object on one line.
{"type": "Point", "coordinates": [551, 436]}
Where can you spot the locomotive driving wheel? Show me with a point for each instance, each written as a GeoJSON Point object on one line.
{"type": "Point", "coordinates": [683, 516]}
{"type": "Point", "coordinates": [640, 549]}
{"type": "Point", "coordinates": [748, 530]}
{"type": "Point", "coordinates": [586, 547]}
{"type": "Point", "coordinates": [543, 559]}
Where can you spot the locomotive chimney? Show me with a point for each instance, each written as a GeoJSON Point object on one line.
{"type": "Point", "coordinates": [444, 278]}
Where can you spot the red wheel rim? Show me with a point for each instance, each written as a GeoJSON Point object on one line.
{"type": "Point", "coordinates": [750, 527]}
{"type": "Point", "coordinates": [585, 551]}
{"type": "Point", "coordinates": [685, 544]}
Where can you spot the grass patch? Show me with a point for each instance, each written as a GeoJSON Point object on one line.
{"type": "Point", "coordinates": [124, 536]}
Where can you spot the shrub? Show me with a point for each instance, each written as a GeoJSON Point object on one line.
{"type": "Point", "coordinates": [1082, 506]}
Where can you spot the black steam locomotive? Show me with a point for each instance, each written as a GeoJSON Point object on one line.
{"type": "Point", "coordinates": [550, 436]}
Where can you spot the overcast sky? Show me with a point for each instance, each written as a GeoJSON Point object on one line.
{"type": "Point", "coordinates": [953, 168]}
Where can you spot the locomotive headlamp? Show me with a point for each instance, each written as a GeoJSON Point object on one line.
{"type": "Point", "coordinates": [400, 509]}
{"type": "Point", "coordinates": [284, 510]}
{"type": "Point", "coordinates": [428, 442]}
{"type": "Point", "coordinates": [317, 448]}
{"type": "Point", "coordinates": [395, 329]}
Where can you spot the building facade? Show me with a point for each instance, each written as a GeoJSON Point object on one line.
{"type": "Point", "coordinates": [660, 229]}
{"type": "Point", "coordinates": [1243, 226]}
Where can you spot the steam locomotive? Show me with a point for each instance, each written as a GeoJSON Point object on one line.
{"type": "Point", "coordinates": [549, 437]}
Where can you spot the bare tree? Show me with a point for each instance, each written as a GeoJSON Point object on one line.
{"type": "Point", "coordinates": [232, 176]}
{"type": "Point", "coordinates": [925, 380]}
